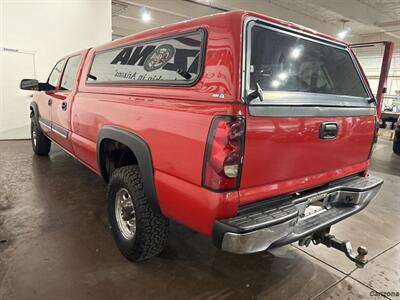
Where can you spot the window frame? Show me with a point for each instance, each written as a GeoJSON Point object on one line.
{"type": "Point", "coordinates": [63, 73]}
{"type": "Point", "coordinates": [60, 75]}
{"type": "Point", "coordinates": [174, 83]}
{"type": "Point", "coordinates": [346, 100]}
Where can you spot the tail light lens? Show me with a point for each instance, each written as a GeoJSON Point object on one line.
{"type": "Point", "coordinates": [223, 156]}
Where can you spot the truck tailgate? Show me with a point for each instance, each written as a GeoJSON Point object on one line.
{"type": "Point", "coordinates": [284, 151]}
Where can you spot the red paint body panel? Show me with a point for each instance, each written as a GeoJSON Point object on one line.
{"type": "Point", "coordinates": [193, 205]}
{"type": "Point", "coordinates": [282, 155]}
{"type": "Point", "coordinates": [167, 126]}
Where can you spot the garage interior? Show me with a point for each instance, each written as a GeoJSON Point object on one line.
{"type": "Point", "coordinates": [55, 241]}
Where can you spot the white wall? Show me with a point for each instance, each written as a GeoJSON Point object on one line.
{"type": "Point", "coordinates": [371, 66]}
{"type": "Point", "coordinates": [50, 30]}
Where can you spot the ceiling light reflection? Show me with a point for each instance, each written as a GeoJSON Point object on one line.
{"type": "Point", "coordinates": [146, 16]}
{"type": "Point", "coordinates": [283, 76]}
{"type": "Point", "coordinates": [275, 83]}
{"type": "Point", "coordinates": [295, 53]}
{"type": "Point", "coordinates": [342, 34]}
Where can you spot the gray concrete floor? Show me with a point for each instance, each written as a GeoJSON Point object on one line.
{"type": "Point", "coordinates": [56, 244]}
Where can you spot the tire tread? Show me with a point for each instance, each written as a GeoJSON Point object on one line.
{"type": "Point", "coordinates": [43, 144]}
{"type": "Point", "coordinates": [151, 227]}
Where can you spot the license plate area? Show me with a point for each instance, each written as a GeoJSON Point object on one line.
{"type": "Point", "coordinates": [315, 205]}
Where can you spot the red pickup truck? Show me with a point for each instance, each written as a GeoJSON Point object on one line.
{"type": "Point", "coordinates": [251, 130]}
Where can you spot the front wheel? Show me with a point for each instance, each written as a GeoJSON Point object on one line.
{"type": "Point", "coordinates": [40, 143]}
{"type": "Point", "coordinates": [139, 231]}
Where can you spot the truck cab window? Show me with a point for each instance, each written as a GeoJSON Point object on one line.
{"type": "Point", "coordinates": [55, 74]}
{"type": "Point", "coordinates": [70, 71]}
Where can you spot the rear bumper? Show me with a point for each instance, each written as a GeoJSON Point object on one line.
{"type": "Point", "coordinates": [278, 222]}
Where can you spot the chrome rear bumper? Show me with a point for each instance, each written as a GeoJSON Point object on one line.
{"type": "Point", "coordinates": [273, 223]}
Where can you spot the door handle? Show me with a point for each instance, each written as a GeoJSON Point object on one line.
{"type": "Point", "coordinates": [328, 130]}
{"type": "Point", "coordinates": [50, 102]}
{"type": "Point", "coordinates": [64, 105]}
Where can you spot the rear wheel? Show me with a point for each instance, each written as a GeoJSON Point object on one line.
{"type": "Point", "coordinates": [40, 143]}
{"type": "Point", "coordinates": [139, 231]}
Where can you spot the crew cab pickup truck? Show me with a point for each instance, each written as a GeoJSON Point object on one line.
{"type": "Point", "coordinates": [251, 130]}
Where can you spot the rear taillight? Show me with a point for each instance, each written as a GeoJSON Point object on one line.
{"type": "Point", "coordinates": [224, 151]}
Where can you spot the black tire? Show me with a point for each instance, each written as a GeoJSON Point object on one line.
{"type": "Point", "coordinates": [40, 143]}
{"type": "Point", "coordinates": [396, 146]}
{"type": "Point", "coordinates": [151, 227]}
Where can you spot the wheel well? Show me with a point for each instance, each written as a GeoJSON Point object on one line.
{"type": "Point", "coordinates": [113, 155]}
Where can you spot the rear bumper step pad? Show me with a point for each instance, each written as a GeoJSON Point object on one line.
{"type": "Point", "coordinates": [264, 226]}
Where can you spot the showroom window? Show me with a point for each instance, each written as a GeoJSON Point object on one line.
{"type": "Point", "coordinates": [284, 62]}
{"type": "Point", "coordinates": [55, 74]}
{"type": "Point", "coordinates": [70, 71]}
{"type": "Point", "coordinates": [175, 60]}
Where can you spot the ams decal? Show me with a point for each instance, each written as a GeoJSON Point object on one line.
{"type": "Point", "coordinates": [153, 58]}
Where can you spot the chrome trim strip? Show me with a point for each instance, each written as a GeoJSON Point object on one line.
{"type": "Point", "coordinates": [308, 111]}
{"type": "Point", "coordinates": [65, 136]}
{"type": "Point", "coordinates": [54, 128]}
{"type": "Point", "coordinates": [42, 122]}
{"type": "Point", "coordinates": [60, 131]}
{"type": "Point", "coordinates": [255, 241]}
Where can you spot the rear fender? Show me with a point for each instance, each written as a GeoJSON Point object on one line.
{"type": "Point", "coordinates": [142, 152]}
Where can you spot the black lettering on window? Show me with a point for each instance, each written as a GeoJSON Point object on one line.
{"type": "Point", "coordinates": [171, 60]}
{"type": "Point", "coordinates": [123, 56]}
{"type": "Point", "coordinates": [181, 59]}
{"type": "Point", "coordinates": [139, 54]}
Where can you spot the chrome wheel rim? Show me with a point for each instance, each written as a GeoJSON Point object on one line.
{"type": "Point", "coordinates": [34, 136]}
{"type": "Point", "coordinates": [125, 214]}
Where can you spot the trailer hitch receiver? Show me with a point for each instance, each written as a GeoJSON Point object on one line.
{"type": "Point", "coordinates": [329, 240]}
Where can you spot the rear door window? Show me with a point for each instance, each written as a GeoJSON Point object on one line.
{"type": "Point", "coordinates": [285, 63]}
{"type": "Point", "coordinates": [176, 60]}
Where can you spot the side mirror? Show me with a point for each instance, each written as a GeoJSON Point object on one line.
{"type": "Point", "coordinates": [29, 84]}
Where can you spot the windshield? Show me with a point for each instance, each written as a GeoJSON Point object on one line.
{"type": "Point", "coordinates": [281, 62]}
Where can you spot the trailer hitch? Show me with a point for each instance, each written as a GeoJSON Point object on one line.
{"type": "Point", "coordinates": [330, 240]}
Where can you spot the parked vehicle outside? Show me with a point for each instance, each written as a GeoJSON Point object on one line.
{"type": "Point", "coordinates": [390, 112]}
{"type": "Point", "coordinates": [254, 131]}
